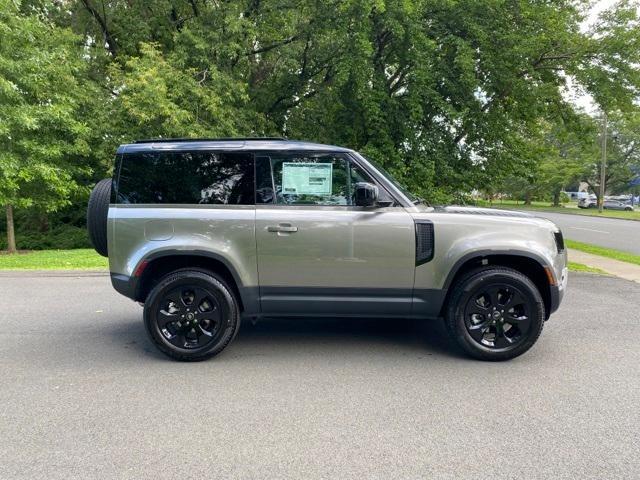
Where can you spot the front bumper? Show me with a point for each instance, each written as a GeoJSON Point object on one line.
{"type": "Point", "coordinates": [557, 291]}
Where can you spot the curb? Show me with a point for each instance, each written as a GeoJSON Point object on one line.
{"type": "Point", "coordinates": [52, 273]}
{"type": "Point", "coordinates": [617, 268]}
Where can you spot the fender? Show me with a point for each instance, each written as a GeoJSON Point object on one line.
{"type": "Point", "coordinates": [130, 286]}
{"type": "Point", "coordinates": [488, 252]}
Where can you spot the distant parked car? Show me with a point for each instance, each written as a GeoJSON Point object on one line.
{"type": "Point", "coordinates": [608, 204]}
{"type": "Point", "coordinates": [617, 205]}
{"type": "Point", "coordinates": [587, 203]}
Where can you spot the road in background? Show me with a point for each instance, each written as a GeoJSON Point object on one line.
{"type": "Point", "coordinates": [613, 233]}
{"type": "Point", "coordinates": [83, 394]}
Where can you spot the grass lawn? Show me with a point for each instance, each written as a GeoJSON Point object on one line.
{"type": "Point", "coordinates": [80, 259]}
{"type": "Point", "coordinates": [579, 267]}
{"type": "Point", "coordinates": [603, 252]}
{"type": "Point", "coordinates": [570, 208]}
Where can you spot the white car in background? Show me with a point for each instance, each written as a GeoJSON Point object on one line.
{"type": "Point", "coordinates": [609, 204]}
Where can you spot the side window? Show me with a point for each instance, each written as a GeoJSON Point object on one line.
{"type": "Point", "coordinates": [303, 179]}
{"type": "Point", "coordinates": [309, 179]}
{"type": "Point", "coordinates": [191, 177]}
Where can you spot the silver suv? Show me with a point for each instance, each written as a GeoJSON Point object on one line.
{"type": "Point", "coordinates": [206, 232]}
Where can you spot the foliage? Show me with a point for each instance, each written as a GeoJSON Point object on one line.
{"type": "Point", "coordinates": [623, 154]}
{"type": "Point", "coordinates": [446, 94]}
{"type": "Point", "coordinates": [60, 237]}
{"type": "Point", "coordinates": [36, 230]}
{"type": "Point", "coordinates": [449, 95]}
{"type": "Point", "coordinates": [41, 129]}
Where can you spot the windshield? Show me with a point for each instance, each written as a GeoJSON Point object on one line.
{"type": "Point", "coordinates": [393, 180]}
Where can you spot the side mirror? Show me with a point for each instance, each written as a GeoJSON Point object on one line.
{"type": "Point", "coordinates": [366, 194]}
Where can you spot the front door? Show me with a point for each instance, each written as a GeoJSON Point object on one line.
{"type": "Point", "coordinates": [317, 252]}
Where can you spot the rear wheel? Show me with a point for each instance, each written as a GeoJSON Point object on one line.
{"type": "Point", "coordinates": [495, 313]}
{"type": "Point", "coordinates": [191, 315]}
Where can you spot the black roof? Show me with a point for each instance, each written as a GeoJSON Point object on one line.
{"type": "Point", "coordinates": [220, 139]}
{"type": "Point", "coordinates": [231, 144]}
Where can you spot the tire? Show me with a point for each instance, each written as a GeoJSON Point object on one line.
{"type": "Point", "coordinates": [472, 321]}
{"type": "Point", "coordinates": [191, 331]}
{"type": "Point", "coordinates": [97, 211]}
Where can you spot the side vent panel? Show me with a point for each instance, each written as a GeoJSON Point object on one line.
{"type": "Point", "coordinates": [559, 241]}
{"type": "Point", "coordinates": [424, 241]}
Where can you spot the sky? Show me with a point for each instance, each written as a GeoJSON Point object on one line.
{"type": "Point", "coordinates": [599, 6]}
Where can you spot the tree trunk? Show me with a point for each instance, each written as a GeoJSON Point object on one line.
{"type": "Point", "coordinates": [527, 198]}
{"type": "Point", "coordinates": [11, 234]}
{"type": "Point", "coordinates": [556, 198]}
{"type": "Point", "coordinates": [43, 220]}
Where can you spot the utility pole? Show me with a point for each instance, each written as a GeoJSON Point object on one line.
{"type": "Point", "coordinates": [603, 167]}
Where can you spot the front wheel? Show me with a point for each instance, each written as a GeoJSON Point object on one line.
{"type": "Point", "coordinates": [495, 313]}
{"type": "Point", "coordinates": [191, 315]}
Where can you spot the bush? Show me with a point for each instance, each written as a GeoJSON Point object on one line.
{"type": "Point", "coordinates": [37, 231]}
{"type": "Point", "coordinates": [62, 237]}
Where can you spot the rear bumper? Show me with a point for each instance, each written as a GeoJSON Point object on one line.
{"type": "Point", "coordinates": [124, 285]}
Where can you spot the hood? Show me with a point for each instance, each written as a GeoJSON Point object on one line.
{"type": "Point", "coordinates": [494, 212]}
{"type": "Point", "coordinates": [483, 211]}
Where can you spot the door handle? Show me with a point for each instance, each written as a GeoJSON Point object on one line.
{"type": "Point", "coordinates": [282, 228]}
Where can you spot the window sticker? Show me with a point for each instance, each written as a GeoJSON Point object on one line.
{"type": "Point", "coordinates": [307, 178]}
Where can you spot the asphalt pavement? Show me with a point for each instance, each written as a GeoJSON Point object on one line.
{"type": "Point", "coordinates": [613, 233]}
{"type": "Point", "coordinates": [83, 394]}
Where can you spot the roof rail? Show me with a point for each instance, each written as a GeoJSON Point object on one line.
{"type": "Point", "coordinates": [223, 139]}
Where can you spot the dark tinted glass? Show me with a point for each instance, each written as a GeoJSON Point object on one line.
{"type": "Point", "coordinates": [187, 178]}
{"type": "Point", "coordinates": [264, 180]}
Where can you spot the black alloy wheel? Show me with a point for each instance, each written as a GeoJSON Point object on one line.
{"type": "Point", "coordinates": [498, 316]}
{"type": "Point", "coordinates": [191, 315]}
{"type": "Point", "coordinates": [495, 313]}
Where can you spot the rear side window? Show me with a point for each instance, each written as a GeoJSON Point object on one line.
{"type": "Point", "coordinates": [190, 177]}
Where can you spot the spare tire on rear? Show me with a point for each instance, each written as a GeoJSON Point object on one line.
{"type": "Point", "coordinates": [97, 212]}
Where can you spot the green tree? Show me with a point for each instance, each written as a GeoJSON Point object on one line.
{"type": "Point", "coordinates": [448, 95]}
{"type": "Point", "coordinates": [570, 145]}
{"type": "Point", "coordinates": [40, 119]}
{"type": "Point", "coordinates": [623, 154]}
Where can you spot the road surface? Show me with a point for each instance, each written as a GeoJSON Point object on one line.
{"type": "Point", "coordinates": [606, 232]}
{"type": "Point", "coordinates": [83, 394]}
